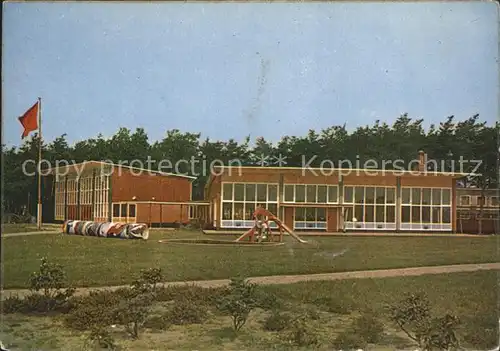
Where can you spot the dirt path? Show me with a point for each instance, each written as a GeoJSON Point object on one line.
{"type": "Point", "coordinates": [289, 279]}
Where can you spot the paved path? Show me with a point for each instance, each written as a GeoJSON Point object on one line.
{"type": "Point", "coordinates": [289, 279]}
{"type": "Point", "coordinates": [31, 233]}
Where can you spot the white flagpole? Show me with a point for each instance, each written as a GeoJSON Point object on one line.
{"type": "Point", "coordinates": [39, 207]}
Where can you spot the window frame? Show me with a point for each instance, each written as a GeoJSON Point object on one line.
{"type": "Point", "coordinates": [306, 200]}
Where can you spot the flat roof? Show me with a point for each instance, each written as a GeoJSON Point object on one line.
{"type": "Point", "coordinates": [457, 174]}
{"type": "Point", "coordinates": [94, 164]}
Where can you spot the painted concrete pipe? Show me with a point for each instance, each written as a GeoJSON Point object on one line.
{"type": "Point", "coordinates": [107, 229]}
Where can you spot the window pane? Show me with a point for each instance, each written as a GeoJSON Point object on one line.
{"type": "Point", "coordinates": [289, 193]}
{"type": "Point", "coordinates": [379, 214]}
{"type": "Point", "coordinates": [348, 214]}
{"type": "Point", "coordinates": [239, 192]}
{"type": "Point", "coordinates": [358, 213]}
{"type": "Point", "coordinates": [300, 193]}
{"type": "Point", "coordinates": [123, 212]}
{"type": "Point", "coordinates": [311, 193]}
{"type": "Point", "coordinates": [426, 196]}
{"type": "Point", "coordinates": [300, 214]}
{"type": "Point", "coordinates": [272, 193]}
{"type": "Point", "coordinates": [390, 196]}
{"type": "Point", "coordinates": [261, 192]}
{"type": "Point", "coordinates": [369, 213]}
{"type": "Point", "coordinates": [273, 208]}
{"type": "Point", "coordinates": [380, 195]}
{"type": "Point", "coordinates": [436, 196]}
{"type": "Point", "coordinates": [322, 194]}
{"type": "Point", "coordinates": [249, 210]}
{"type": "Point", "coordinates": [348, 194]}
{"type": "Point", "coordinates": [405, 195]}
{"type": "Point", "coordinates": [465, 200]}
{"type": "Point", "coordinates": [390, 214]}
{"type": "Point", "coordinates": [227, 210]}
{"type": "Point", "coordinates": [359, 196]}
{"type": "Point", "coordinates": [250, 192]}
{"type": "Point", "coordinates": [405, 214]}
{"type": "Point", "coordinates": [436, 215]}
{"type": "Point", "coordinates": [238, 210]}
{"type": "Point", "coordinates": [446, 197]}
{"type": "Point", "coordinates": [227, 191]}
{"type": "Point", "coordinates": [446, 215]}
{"type": "Point", "coordinates": [426, 214]}
{"type": "Point", "coordinates": [310, 214]}
{"type": "Point", "coordinates": [131, 210]}
{"type": "Point", "coordinates": [333, 194]}
{"type": "Point", "coordinates": [321, 214]}
{"type": "Point", "coordinates": [415, 214]}
{"type": "Point", "coordinates": [370, 195]}
{"type": "Point", "coordinates": [116, 210]}
{"type": "Point", "coordinates": [415, 196]}
{"type": "Point", "coordinates": [494, 201]}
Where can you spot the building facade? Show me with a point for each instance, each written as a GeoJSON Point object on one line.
{"type": "Point", "coordinates": [477, 211]}
{"type": "Point", "coordinates": [98, 191]}
{"type": "Point", "coordinates": [334, 200]}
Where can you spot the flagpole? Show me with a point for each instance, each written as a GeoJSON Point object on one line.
{"type": "Point", "coordinates": [39, 207]}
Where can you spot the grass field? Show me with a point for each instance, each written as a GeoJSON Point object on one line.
{"type": "Point", "coordinates": [91, 261]}
{"type": "Point", "coordinates": [471, 296]}
{"type": "Point", "coordinates": [8, 228]}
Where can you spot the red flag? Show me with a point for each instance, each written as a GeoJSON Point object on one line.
{"type": "Point", "coordinates": [29, 120]}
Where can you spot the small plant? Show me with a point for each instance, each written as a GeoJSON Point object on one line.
{"type": "Point", "coordinates": [412, 316]}
{"type": "Point", "coordinates": [301, 334]}
{"type": "Point", "coordinates": [240, 300]}
{"type": "Point", "coordinates": [157, 323]}
{"type": "Point", "coordinates": [277, 322]}
{"type": "Point", "coordinates": [12, 304]}
{"type": "Point", "coordinates": [187, 311]}
{"type": "Point", "coordinates": [51, 281]}
{"type": "Point", "coordinates": [133, 313]}
{"type": "Point", "coordinates": [369, 328]}
{"type": "Point", "coordinates": [267, 300]}
{"type": "Point", "coordinates": [101, 339]}
{"type": "Point", "coordinates": [349, 340]}
{"type": "Point", "coordinates": [148, 280]}
{"type": "Point", "coordinates": [333, 305]}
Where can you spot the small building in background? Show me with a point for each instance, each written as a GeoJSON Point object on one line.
{"type": "Point", "coordinates": [478, 211]}
{"type": "Point", "coordinates": [99, 191]}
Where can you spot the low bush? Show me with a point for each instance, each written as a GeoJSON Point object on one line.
{"type": "Point", "coordinates": [333, 305]}
{"type": "Point", "coordinates": [100, 338]}
{"type": "Point", "coordinates": [187, 311]}
{"type": "Point", "coordinates": [12, 304]}
{"type": "Point", "coordinates": [277, 322]}
{"type": "Point", "coordinates": [267, 300]}
{"type": "Point", "coordinates": [349, 340]}
{"type": "Point", "coordinates": [133, 313]}
{"type": "Point", "coordinates": [369, 328]}
{"type": "Point", "coordinates": [208, 296]}
{"type": "Point", "coordinates": [157, 323]}
{"type": "Point", "coordinates": [302, 333]}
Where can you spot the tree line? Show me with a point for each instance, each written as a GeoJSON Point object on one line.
{"type": "Point", "coordinates": [450, 140]}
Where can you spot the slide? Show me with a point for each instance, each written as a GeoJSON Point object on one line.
{"type": "Point", "coordinates": [289, 231]}
{"type": "Point", "coordinates": [244, 235]}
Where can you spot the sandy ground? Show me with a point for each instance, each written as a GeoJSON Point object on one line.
{"type": "Point", "coordinates": [289, 279]}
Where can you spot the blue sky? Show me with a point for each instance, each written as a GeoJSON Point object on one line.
{"type": "Point", "coordinates": [231, 70]}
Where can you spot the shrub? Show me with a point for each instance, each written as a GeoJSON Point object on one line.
{"type": "Point", "coordinates": [133, 313]}
{"type": "Point", "coordinates": [412, 315]}
{"type": "Point", "coordinates": [191, 292]}
{"type": "Point", "coordinates": [238, 302]}
{"type": "Point", "coordinates": [369, 328]}
{"type": "Point", "coordinates": [148, 280]}
{"type": "Point", "coordinates": [94, 310]}
{"type": "Point", "coordinates": [301, 334]}
{"type": "Point", "coordinates": [157, 322]}
{"type": "Point", "coordinates": [100, 339]}
{"type": "Point", "coordinates": [12, 304]}
{"type": "Point", "coordinates": [187, 311]}
{"type": "Point", "coordinates": [349, 340]}
{"type": "Point", "coordinates": [277, 322]}
{"type": "Point", "coordinates": [333, 305]}
{"type": "Point", "coordinates": [267, 300]}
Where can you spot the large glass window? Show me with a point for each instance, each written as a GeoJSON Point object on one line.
{"type": "Point", "coordinates": [311, 193]}
{"type": "Point", "coordinates": [310, 218]}
{"type": "Point", "coordinates": [240, 200]}
{"type": "Point", "coordinates": [426, 206]}
{"type": "Point", "coordinates": [372, 205]}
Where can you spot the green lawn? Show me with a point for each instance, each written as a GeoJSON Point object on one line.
{"type": "Point", "coordinates": [8, 228]}
{"type": "Point", "coordinates": [92, 261]}
{"type": "Point", "coordinates": [470, 296]}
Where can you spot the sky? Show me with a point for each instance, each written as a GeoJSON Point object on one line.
{"type": "Point", "coordinates": [245, 69]}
